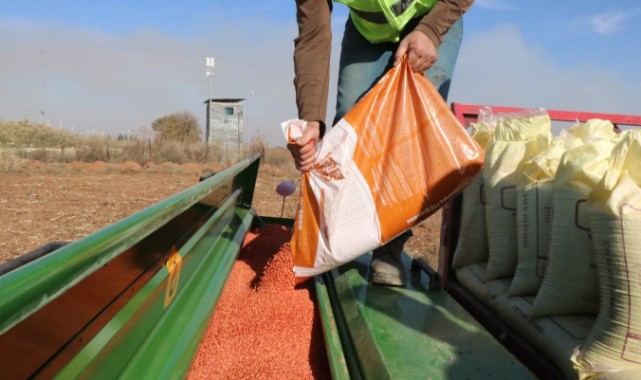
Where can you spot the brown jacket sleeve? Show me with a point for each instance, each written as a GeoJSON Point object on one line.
{"type": "Point", "coordinates": [312, 50]}
{"type": "Point", "coordinates": [438, 21]}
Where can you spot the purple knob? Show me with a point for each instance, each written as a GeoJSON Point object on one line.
{"type": "Point", "coordinates": [286, 188]}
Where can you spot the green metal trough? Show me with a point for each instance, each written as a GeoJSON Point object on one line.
{"type": "Point", "coordinates": [131, 300]}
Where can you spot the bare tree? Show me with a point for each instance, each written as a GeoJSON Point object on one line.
{"type": "Point", "coordinates": [182, 127]}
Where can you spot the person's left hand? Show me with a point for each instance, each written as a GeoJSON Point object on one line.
{"type": "Point", "coordinates": [420, 51]}
{"type": "Point", "coordinates": [303, 150]}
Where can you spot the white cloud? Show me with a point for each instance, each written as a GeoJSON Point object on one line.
{"type": "Point", "coordinates": [609, 22]}
{"type": "Point", "coordinates": [497, 67]}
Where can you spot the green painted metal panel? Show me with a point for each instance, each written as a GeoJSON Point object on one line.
{"type": "Point", "coordinates": [414, 332]}
{"type": "Point", "coordinates": [177, 255]}
{"type": "Point", "coordinates": [30, 287]}
{"type": "Point", "coordinates": [147, 340]}
{"type": "Point", "coordinates": [168, 352]}
{"type": "Point", "coordinates": [336, 356]}
{"type": "Point", "coordinates": [246, 182]}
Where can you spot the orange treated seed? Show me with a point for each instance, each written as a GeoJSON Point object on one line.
{"type": "Point", "coordinates": [263, 327]}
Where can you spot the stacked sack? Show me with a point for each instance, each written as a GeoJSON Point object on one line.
{"type": "Point", "coordinates": [561, 262]}
{"type": "Point", "coordinates": [534, 187]}
{"type": "Point", "coordinates": [515, 141]}
{"type": "Point", "coordinates": [489, 204]}
{"type": "Point", "coordinates": [472, 247]}
{"type": "Point", "coordinates": [613, 346]}
{"type": "Point", "coordinates": [570, 282]}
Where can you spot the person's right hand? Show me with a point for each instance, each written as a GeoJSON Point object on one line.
{"type": "Point", "coordinates": [421, 51]}
{"type": "Point", "coordinates": [304, 148]}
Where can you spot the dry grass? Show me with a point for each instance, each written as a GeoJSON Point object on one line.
{"type": "Point", "coordinates": [21, 142]}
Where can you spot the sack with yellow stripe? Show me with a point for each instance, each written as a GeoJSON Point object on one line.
{"type": "Point", "coordinates": [393, 160]}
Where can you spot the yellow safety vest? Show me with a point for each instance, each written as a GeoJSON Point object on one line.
{"type": "Point", "coordinates": [383, 20]}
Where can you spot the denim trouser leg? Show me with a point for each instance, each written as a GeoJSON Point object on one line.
{"type": "Point", "coordinates": [440, 74]}
{"type": "Point", "coordinates": [362, 64]}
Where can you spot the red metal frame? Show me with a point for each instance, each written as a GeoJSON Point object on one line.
{"type": "Point", "coordinates": [466, 113]}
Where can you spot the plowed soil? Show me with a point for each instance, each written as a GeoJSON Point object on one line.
{"type": "Point", "coordinates": [42, 203]}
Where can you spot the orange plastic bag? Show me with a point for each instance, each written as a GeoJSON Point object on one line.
{"type": "Point", "coordinates": [391, 162]}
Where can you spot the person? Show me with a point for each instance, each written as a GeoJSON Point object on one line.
{"type": "Point", "coordinates": [377, 35]}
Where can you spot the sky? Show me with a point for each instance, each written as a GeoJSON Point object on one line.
{"type": "Point", "coordinates": [113, 67]}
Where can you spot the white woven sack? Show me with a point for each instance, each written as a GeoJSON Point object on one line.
{"type": "Point", "coordinates": [472, 277]}
{"type": "Point", "coordinates": [554, 337]}
{"type": "Point", "coordinates": [515, 139]}
{"type": "Point", "coordinates": [532, 231]}
{"type": "Point", "coordinates": [533, 212]}
{"type": "Point", "coordinates": [570, 282]}
{"type": "Point", "coordinates": [614, 345]}
{"type": "Point", "coordinates": [472, 242]}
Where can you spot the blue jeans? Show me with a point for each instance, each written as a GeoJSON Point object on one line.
{"type": "Point", "coordinates": [362, 64]}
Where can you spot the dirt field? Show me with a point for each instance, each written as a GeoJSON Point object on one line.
{"type": "Point", "coordinates": [42, 203]}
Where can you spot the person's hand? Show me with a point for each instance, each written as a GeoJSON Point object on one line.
{"type": "Point", "coordinates": [304, 148]}
{"type": "Point", "coordinates": [420, 51]}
